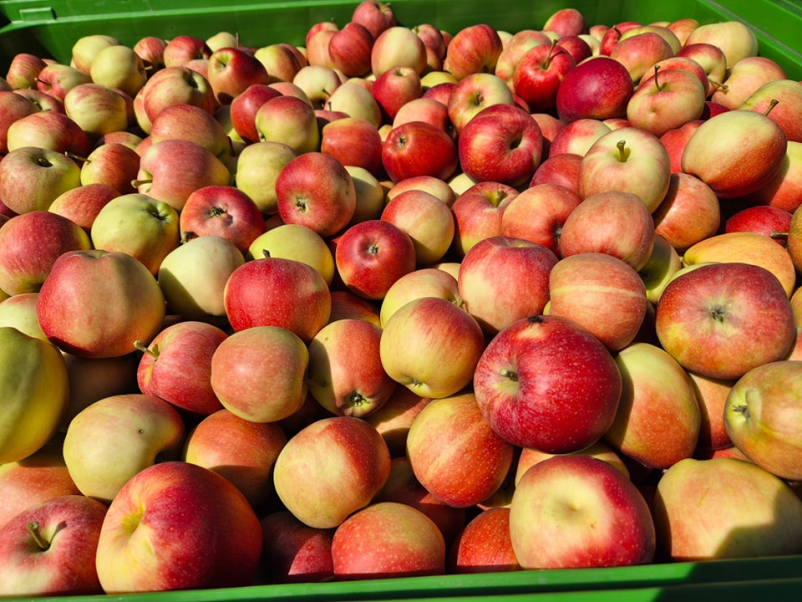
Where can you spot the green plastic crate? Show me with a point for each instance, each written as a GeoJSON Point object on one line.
{"type": "Point", "coordinates": [50, 28]}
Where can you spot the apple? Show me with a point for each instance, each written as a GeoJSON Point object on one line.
{"type": "Point", "coordinates": [627, 160]}
{"type": "Point", "coordinates": [423, 282]}
{"type": "Point", "coordinates": [711, 395]}
{"type": "Point", "coordinates": [13, 107]}
{"type": "Point", "coordinates": [293, 241]}
{"type": "Point", "coordinates": [318, 83]}
{"type": "Point", "coordinates": [763, 219]}
{"type": "Point", "coordinates": [444, 444]}
{"type": "Point", "coordinates": [426, 220]}
{"type": "Point", "coordinates": [293, 552]}
{"type": "Point", "coordinates": [138, 225]}
{"type": "Point", "coordinates": [760, 417]}
{"type": "Point", "coordinates": [282, 61]}
{"type": "Point", "coordinates": [720, 137]}
{"type": "Point", "coordinates": [394, 419]}
{"type": "Point", "coordinates": [667, 100]}
{"type": "Point", "coordinates": [372, 255]}
{"type": "Point", "coordinates": [97, 303]}
{"type": "Point", "coordinates": [29, 246]}
{"type": "Point", "coordinates": [706, 319]}
{"type": "Point", "coordinates": [397, 46]}
{"type": "Point", "coordinates": [783, 190]}
{"type": "Point", "coordinates": [695, 522]}
{"type": "Point", "coordinates": [219, 526]}
{"type": "Point", "coordinates": [355, 100]}
{"type": "Point", "coordinates": [118, 66]}
{"type": "Point", "coordinates": [240, 450]}
{"type": "Point", "coordinates": [387, 539]}
{"type": "Point", "coordinates": [23, 70]}
{"type": "Point", "coordinates": [49, 548]}
{"type": "Point", "coordinates": [350, 49]}
{"type": "Point", "coordinates": [473, 49]}
{"type": "Point", "coordinates": [48, 130]}
{"type": "Point", "coordinates": [527, 385]}
{"type": "Point", "coordinates": [374, 15]}
{"type": "Point", "coordinates": [194, 124]}
{"type": "Point", "coordinates": [113, 439]}
{"type": "Point", "coordinates": [484, 545]}
{"type": "Point", "coordinates": [478, 213]}
{"type": "Point", "coordinates": [640, 52]}
{"type": "Point", "coordinates": [370, 195]}
{"type": "Point", "coordinates": [394, 88]}
{"type": "Point", "coordinates": [176, 366]}
{"type": "Point", "coordinates": [675, 141]}
{"type": "Point", "coordinates": [578, 136]}
{"type": "Point", "coordinates": [473, 93]}
{"type": "Point", "coordinates": [595, 89]}
{"type": "Point", "coordinates": [232, 71]}
{"type": "Point", "coordinates": [539, 75]}
{"type": "Point", "coordinates": [56, 79]}
{"type": "Point", "coordinates": [277, 292]}
{"type": "Point", "coordinates": [35, 386]}
{"type": "Point", "coordinates": [222, 211]}
{"type": "Point", "coordinates": [19, 311]}
{"type": "Point", "coordinates": [151, 50]}
{"type": "Point", "coordinates": [245, 106]}
{"type": "Point", "coordinates": [345, 383]}
{"type": "Point", "coordinates": [501, 143]}
{"type": "Point", "coordinates": [258, 167]}
{"type": "Point", "coordinates": [347, 305]}
{"type": "Point", "coordinates": [603, 519]}
{"type": "Point", "coordinates": [602, 293]}
{"type": "Point", "coordinates": [788, 94]}
{"type": "Point", "coordinates": [616, 223]}
{"type": "Point", "coordinates": [354, 142]}
{"type": "Point", "coordinates": [431, 346]}
{"type": "Point", "coordinates": [40, 477]}
{"type": "Point", "coordinates": [112, 164]}
{"type": "Point", "coordinates": [417, 149]}
{"type": "Point", "coordinates": [184, 48]}
{"type": "Point", "coordinates": [428, 110]}
{"type": "Point", "coordinates": [330, 469]}
{"type": "Point", "coordinates": [744, 79]}
{"type": "Point", "coordinates": [539, 212]}
{"type": "Point", "coordinates": [316, 191]}
{"type": "Point", "coordinates": [193, 276]}
{"type": "Point", "coordinates": [689, 213]}
{"type": "Point", "coordinates": [524, 281]}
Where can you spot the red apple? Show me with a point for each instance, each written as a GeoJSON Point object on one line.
{"type": "Point", "coordinates": [354, 142]}
{"type": "Point", "coordinates": [484, 545]}
{"type": "Point", "coordinates": [394, 88]}
{"type": "Point", "coordinates": [539, 75]}
{"type": "Point", "coordinates": [293, 552]}
{"type": "Point", "coordinates": [232, 71]}
{"type": "Point", "coordinates": [473, 49]}
{"type": "Point", "coordinates": [596, 89]}
{"type": "Point", "coordinates": [350, 49]}
{"type": "Point", "coordinates": [419, 149]}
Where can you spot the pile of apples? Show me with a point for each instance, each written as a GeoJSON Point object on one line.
{"type": "Point", "coordinates": [398, 302]}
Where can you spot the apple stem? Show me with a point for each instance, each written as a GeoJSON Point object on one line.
{"type": "Point", "coordinates": [742, 409]}
{"type": "Point", "coordinates": [656, 83]}
{"type": "Point", "coordinates": [778, 234]}
{"type": "Point", "coordinates": [717, 84]}
{"type": "Point", "coordinates": [623, 151]}
{"type": "Point", "coordinates": [266, 253]}
{"type": "Point", "coordinates": [76, 157]}
{"type": "Point", "coordinates": [774, 102]}
{"type": "Point", "coordinates": [187, 236]}
{"type": "Point", "coordinates": [33, 529]}
{"type": "Point", "coordinates": [140, 346]}
{"type": "Point", "coordinates": [138, 183]}
{"type": "Point", "coordinates": [548, 57]}
{"type": "Point", "coordinates": [512, 375]}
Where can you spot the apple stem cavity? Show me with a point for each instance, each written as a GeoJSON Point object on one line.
{"type": "Point", "coordinates": [774, 102]}
{"type": "Point", "coordinates": [535, 319]}
{"type": "Point", "coordinates": [33, 529]}
{"type": "Point", "coordinates": [623, 151]}
{"type": "Point", "coordinates": [217, 211]}
{"type": "Point", "coordinates": [511, 374]}
{"type": "Point", "coordinates": [718, 314]}
{"type": "Point", "coordinates": [140, 346]}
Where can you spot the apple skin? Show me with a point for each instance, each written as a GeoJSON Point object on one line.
{"type": "Point", "coordinates": [232, 71]}
{"type": "Point", "coordinates": [353, 142]}
{"type": "Point", "coordinates": [577, 137]}
{"type": "Point", "coordinates": [758, 156]}
{"type": "Point", "coordinates": [675, 141]}
{"type": "Point", "coordinates": [277, 292]}
{"type": "Point", "coordinates": [67, 565]}
{"type": "Point", "coordinates": [330, 469]}
{"type": "Point", "coordinates": [14, 107]}
{"type": "Point", "coordinates": [387, 539]}
{"type": "Point", "coordinates": [194, 124]}
{"type": "Point", "coordinates": [667, 100]}
{"type": "Point", "coordinates": [484, 545]}
{"type": "Point", "coordinates": [258, 167]}
{"type": "Point", "coordinates": [501, 143]}
{"type": "Point", "coordinates": [23, 70]}
{"type": "Point", "coordinates": [595, 89]}
{"type": "Point", "coordinates": [40, 477]}
{"type": "Point", "coordinates": [539, 74]}
{"type": "Point", "coordinates": [293, 552]}
{"type": "Point", "coordinates": [762, 219]}
{"type": "Point", "coordinates": [397, 46]}
{"type": "Point", "coordinates": [721, 320]}
{"type": "Point", "coordinates": [176, 366]}
{"type": "Point", "coordinates": [789, 94]}
{"type": "Point", "coordinates": [113, 164]}
{"type": "Point", "coordinates": [602, 293]}
{"type": "Point", "coordinates": [221, 543]}
{"type": "Point", "coordinates": [695, 521]}
{"type": "Point", "coordinates": [658, 420]}
{"type": "Point", "coordinates": [240, 450]}
{"type": "Point", "coordinates": [431, 346]}
{"type": "Point", "coordinates": [689, 213]}
{"type": "Point", "coordinates": [744, 78]}
{"type": "Point", "coordinates": [113, 300]}
{"type": "Point", "coordinates": [478, 214]}
{"type": "Point", "coordinates": [455, 454]}
{"type": "Point", "coordinates": [475, 49]}
{"type": "Point", "coordinates": [615, 223]}
{"type": "Point", "coordinates": [426, 220]}
{"type": "Point", "coordinates": [35, 386]}
{"type": "Point", "coordinates": [372, 255]}
{"type": "Point", "coordinates": [526, 385]}
{"type": "Point", "coordinates": [293, 241]}
{"type": "Point", "coordinates": [176, 85]}
{"type": "Point", "coordinates": [29, 246]}
{"type": "Point", "coordinates": [603, 520]}
{"type": "Point", "coordinates": [539, 213]}
{"type": "Point", "coordinates": [524, 281]}
{"type": "Point", "coordinates": [762, 417]}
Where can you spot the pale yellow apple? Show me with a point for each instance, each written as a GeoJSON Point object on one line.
{"type": "Point", "coordinates": [293, 241]}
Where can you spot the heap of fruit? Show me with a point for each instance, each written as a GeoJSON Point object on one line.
{"type": "Point", "coordinates": [397, 302]}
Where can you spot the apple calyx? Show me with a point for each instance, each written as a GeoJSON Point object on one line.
{"type": "Point", "coordinates": [187, 236]}
{"type": "Point", "coordinates": [718, 314]}
{"type": "Point", "coordinates": [33, 529]}
{"type": "Point", "coordinates": [774, 102]}
{"type": "Point", "coordinates": [154, 353]}
{"type": "Point", "coordinates": [623, 151]}
{"type": "Point", "coordinates": [535, 319]}
{"type": "Point", "coordinates": [354, 404]}
{"type": "Point", "coordinates": [743, 410]}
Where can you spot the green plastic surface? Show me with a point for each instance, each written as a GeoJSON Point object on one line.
{"type": "Point", "coordinates": [50, 28]}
